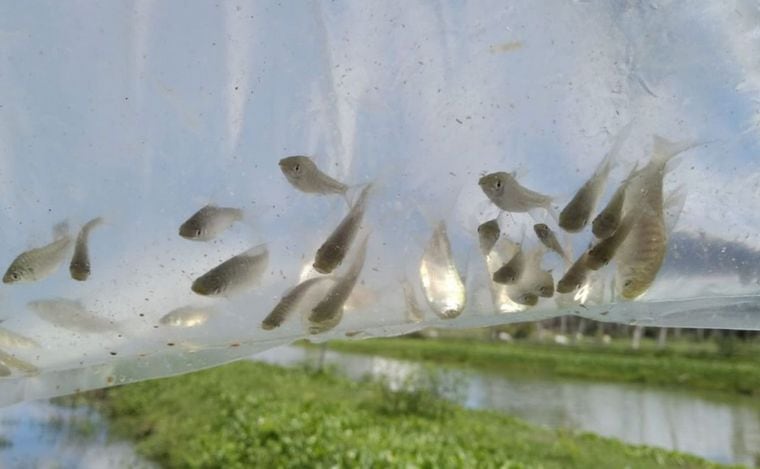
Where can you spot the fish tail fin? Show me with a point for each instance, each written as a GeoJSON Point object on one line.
{"type": "Point", "coordinates": [61, 229]}
{"type": "Point", "coordinates": [90, 225]}
{"type": "Point", "coordinates": [665, 150]}
{"type": "Point", "coordinates": [612, 158]}
{"type": "Point", "coordinates": [673, 207]}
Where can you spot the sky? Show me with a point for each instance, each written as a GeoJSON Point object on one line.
{"type": "Point", "coordinates": [144, 111]}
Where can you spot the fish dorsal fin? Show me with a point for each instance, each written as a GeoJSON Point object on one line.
{"type": "Point", "coordinates": [258, 250]}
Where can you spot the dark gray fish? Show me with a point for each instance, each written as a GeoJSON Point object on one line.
{"type": "Point", "coordinates": [328, 312]}
{"type": "Point", "coordinates": [488, 234]}
{"type": "Point", "coordinates": [576, 214]}
{"type": "Point", "coordinates": [289, 302]}
{"type": "Point", "coordinates": [575, 276]}
{"type": "Point", "coordinates": [80, 261]}
{"type": "Point", "coordinates": [236, 274]}
{"type": "Point", "coordinates": [608, 220]}
{"type": "Point", "coordinates": [334, 249]}
{"type": "Point", "coordinates": [305, 176]}
{"type": "Point", "coordinates": [511, 272]}
{"type": "Point", "coordinates": [603, 252]}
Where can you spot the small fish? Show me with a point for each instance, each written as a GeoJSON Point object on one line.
{"type": "Point", "coordinates": [575, 216]}
{"type": "Point", "coordinates": [549, 239]}
{"type": "Point", "coordinates": [527, 299]}
{"type": "Point", "coordinates": [441, 282]}
{"type": "Point", "coordinates": [506, 193]}
{"type": "Point", "coordinates": [511, 272]}
{"type": "Point", "coordinates": [603, 252]}
{"type": "Point", "coordinates": [36, 264]}
{"type": "Point", "coordinates": [236, 274]}
{"type": "Point", "coordinates": [606, 222]}
{"type": "Point", "coordinates": [334, 249]}
{"type": "Point", "coordinates": [305, 176]}
{"type": "Point", "coordinates": [640, 256]}
{"type": "Point", "coordinates": [575, 276]}
{"type": "Point", "coordinates": [328, 312]}
{"type": "Point", "coordinates": [413, 311]}
{"type": "Point", "coordinates": [289, 302]}
{"type": "Point", "coordinates": [488, 234]}
{"type": "Point", "coordinates": [534, 280]}
{"type": "Point", "coordinates": [9, 339]}
{"type": "Point", "coordinates": [209, 222]}
{"type": "Point", "coordinates": [9, 361]}
{"type": "Point", "coordinates": [71, 315]}
{"type": "Point", "coordinates": [80, 261]}
{"type": "Point", "coordinates": [186, 316]}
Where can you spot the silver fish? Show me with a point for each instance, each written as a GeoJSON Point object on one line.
{"type": "Point", "coordinates": [576, 214]}
{"type": "Point", "coordinates": [9, 339]}
{"type": "Point", "coordinates": [10, 361]}
{"type": "Point", "coordinates": [607, 221]}
{"type": "Point", "coordinates": [549, 239]}
{"type": "Point", "coordinates": [511, 272]}
{"type": "Point", "coordinates": [488, 234]}
{"type": "Point", "coordinates": [641, 254]}
{"type": "Point", "coordinates": [506, 193]}
{"type": "Point", "coordinates": [328, 312]}
{"type": "Point", "coordinates": [80, 261]}
{"type": "Point", "coordinates": [289, 302]}
{"type": "Point", "coordinates": [305, 176]}
{"type": "Point", "coordinates": [36, 264]}
{"type": "Point", "coordinates": [71, 315]}
{"type": "Point", "coordinates": [441, 282]}
{"type": "Point", "coordinates": [575, 276]}
{"type": "Point", "coordinates": [186, 316]}
{"type": "Point", "coordinates": [334, 249]}
{"type": "Point", "coordinates": [413, 311]}
{"type": "Point", "coordinates": [209, 222]}
{"type": "Point", "coordinates": [236, 274]}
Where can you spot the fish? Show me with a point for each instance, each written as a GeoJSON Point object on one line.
{"type": "Point", "coordinates": [603, 252]}
{"type": "Point", "coordinates": [413, 311]}
{"type": "Point", "coordinates": [576, 214]}
{"type": "Point", "coordinates": [289, 302]}
{"type": "Point", "coordinates": [209, 222]}
{"type": "Point", "coordinates": [607, 221]}
{"type": "Point", "coordinates": [575, 276]}
{"type": "Point", "coordinates": [505, 192]}
{"type": "Point", "coordinates": [329, 311]}
{"type": "Point", "coordinates": [527, 299]}
{"type": "Point", "coordinates": [488, 234]}
{"type": "Point", "coordinates": [36, 264]}
{"type": "Point", "coordinates": [234, 275]}
{"type": "Point", "coordinates": [304, 175]}
{"type": "Point", "coordinates": [71, 315]}
{"type": "Point", "coordinates": [79, 268]}
{"type": "Point", "coordinates": [334, 249]}
{"type": "Point", "coordinates": [9, 361]}
{"type": "Point", "coordinates": [511, 272]}
{"type": "Point", "coordinates": [641, 255]}
{"type": "Point", "coordinates": [441, 282]}
{"type": "Point", "coordinates": [502, 295]}
{"type": "Point", "coordinates": [534, 280]}
{"type": "Point", "coordinates": [10, 339]}
{"type": "Point", "coordinates": [186, 316]}
{"type": "Point", "coordinates": [549, 239]}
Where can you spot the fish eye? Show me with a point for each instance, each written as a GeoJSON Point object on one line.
{"type": "Point", "coordinates": [628, 283]}
{"type": "Point", "coordinates": [297, 167]}
{"type": "Point", "coordinates": [198, 232]}
{"type": "Point", "coordinates": [14, 276]}
{"type": "Point", "coordinates": [498, 184]}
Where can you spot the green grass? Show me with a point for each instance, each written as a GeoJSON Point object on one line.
{"type": "Point", "coordinates": [255, 415]}
{"type": "Point", "coordinates": [679, 366]}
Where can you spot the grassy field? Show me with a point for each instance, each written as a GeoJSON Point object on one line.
{"type": "Point", "coordinates": [698, 367]}
{"type": "Point", "coordinates": [255, 415]}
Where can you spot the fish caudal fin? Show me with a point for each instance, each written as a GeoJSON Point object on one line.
{"type": "Point", "coordinates": [664, 150]}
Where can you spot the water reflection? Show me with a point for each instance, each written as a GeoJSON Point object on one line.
{"type": "Point", "coordinates": [720, 428]}
{"type": "Point", "coordinates": [43, 435]}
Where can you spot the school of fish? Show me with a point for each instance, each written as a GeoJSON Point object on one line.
{"type": "Point", "coordinates": [630, 231]}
